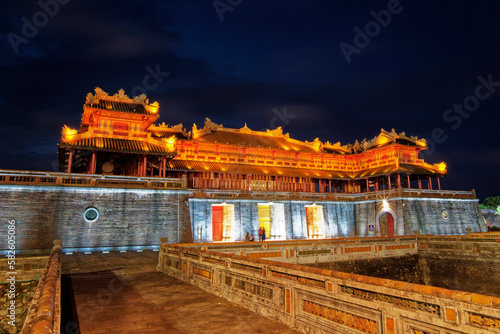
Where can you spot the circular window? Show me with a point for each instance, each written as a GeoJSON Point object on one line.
{"type": "Point", "coordinates": [91, 214]}
{"type": "Point", "coordinates": [445, 214]}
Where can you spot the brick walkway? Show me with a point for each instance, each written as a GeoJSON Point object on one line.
{"type": "Point", "coordinates": [122, 293]}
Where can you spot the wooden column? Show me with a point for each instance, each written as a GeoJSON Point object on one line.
{"type": "Point", "coordinates": [92, 163]}
{"type": "Point", "coordinates": [367, 185]}
{"type": "Point", "coordinates": [144, 165]}
{"type": "Point", "coordinates": [399, 180]}
{"type": "Point", "coordinates": [377, 186]}
{"type": "Point", "coordinates": [439, 182]}
{"type": "Point", "coordinates": [429, 183]}
{"type": "Point", "coordinates": [70, 161]}
{"type": "Point", "coordinates": [389, 180]}
{"type": "Point", "coordinates": [419, 182]}
{"type": "Point", "coordinates": [409, 184]}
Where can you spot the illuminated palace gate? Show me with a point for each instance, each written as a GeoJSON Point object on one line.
{"type": "Point", "coordinates": [118, 136]}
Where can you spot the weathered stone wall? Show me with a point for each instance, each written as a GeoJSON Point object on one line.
{"type": "Point", "coordinates": [467, 263]}
{"type": "Point", "coordinates": [439, 216]}
{"type": "Point", "coordinates": [347, 219]}
{"type": "Point", "coordinates": [24, 292]}
{"type": "Point", "coordinates": [339, 218]}
{"type": "Point", "coordinates": [400, 268]}
{"type": "Point", "coordinates": [465, 274]}
{"type": "Point", "coordinates": [127, 217]}
{"type": "Point", "coordinates": [26, 268]}
{"type": "Point", "coordinates": [139, 217]}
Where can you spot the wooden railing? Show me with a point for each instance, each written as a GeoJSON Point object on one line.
{"type": "Point", "coordinates": [13, 177]}
{"type": "Point", "coordinates": [375, 195]}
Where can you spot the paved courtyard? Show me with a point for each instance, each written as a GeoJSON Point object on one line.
{"type": "Point", "coordinates": [122, 293]}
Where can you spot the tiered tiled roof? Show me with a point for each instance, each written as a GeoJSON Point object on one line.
{"type": "Point", "coordinates": [118, 123]}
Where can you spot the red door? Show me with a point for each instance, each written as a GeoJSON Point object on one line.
{"type": "Point", "coordinates": [217, 223]}
{"type": "Point", "coordinates": [390, 225]}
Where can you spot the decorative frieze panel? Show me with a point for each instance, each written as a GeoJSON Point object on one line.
{"type": "Point", "coordinates": [340, 317]}
{"type": "Point", "coordinates": [257, 289]}
{"type": "Point", "coordinates": [483, 321]}
{"type": "Point", "coordinates": [202, 272]}
{"type": "Point", "coordinates": [358, 249]}
{"type": "Point", "coordinates": [397, 301]}
{"type": "Point", "coordinates": [300, 279]}
{"type": "Point", "coordinates": [412, 326]}
{"type": "Point", "coordinates": [314, 252]}
{"type": "Point", "coordinates": [454, 246]}
{"type": "Point", "coordinates": [174, 263]}
{"type": "Point", "coordinates": [397, 247]}
{"type": "Point", "coordinates": [263, 255]}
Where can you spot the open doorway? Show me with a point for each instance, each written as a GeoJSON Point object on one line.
{"type": "Point", "coordinates": [315, 221]}
{"type": "Point", "coordinates": [222, 222]}
{"type": "Point", "coordinates": [386, 224]}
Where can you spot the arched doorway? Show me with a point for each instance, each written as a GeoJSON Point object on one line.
{"type": "Point", "coordinates": [386, 224]}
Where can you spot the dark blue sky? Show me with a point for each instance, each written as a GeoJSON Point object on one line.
{"type": "Point", "coordinates": [238, 61]}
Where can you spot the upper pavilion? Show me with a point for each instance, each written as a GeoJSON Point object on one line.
{"type": "Point", "coordinates": [118, 136]}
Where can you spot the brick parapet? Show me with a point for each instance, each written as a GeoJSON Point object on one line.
{"type": "Point", "coordinates": [312, 299]}
{"type": "Point", "coordinates": [44, 314]}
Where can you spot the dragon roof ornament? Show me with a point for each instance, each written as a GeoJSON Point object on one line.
{"type": "Point", "coordinates": [117, 97]}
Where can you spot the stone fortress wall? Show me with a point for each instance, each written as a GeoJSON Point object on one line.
{"type": "Point", "coordinates": [97, 212]}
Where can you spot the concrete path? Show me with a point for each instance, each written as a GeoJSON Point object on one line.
{"type": "Point", "coordinates": [122, 293]}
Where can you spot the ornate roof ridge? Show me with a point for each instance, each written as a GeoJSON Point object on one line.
{"type": "Point", "coordinates": [386, 137]}
{"type": "Point", "coordinates": [174, 128]}
{"type": "Point", "coordinates": [210, 126]}
{"type": "Point", "coordinates": [100, 94]}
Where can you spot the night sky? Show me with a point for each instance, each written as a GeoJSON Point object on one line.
{"type": "Point", "coordinates": [337, 70]}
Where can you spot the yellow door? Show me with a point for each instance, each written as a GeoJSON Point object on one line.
{"type": "Point", "coordinates": [265, 219]}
